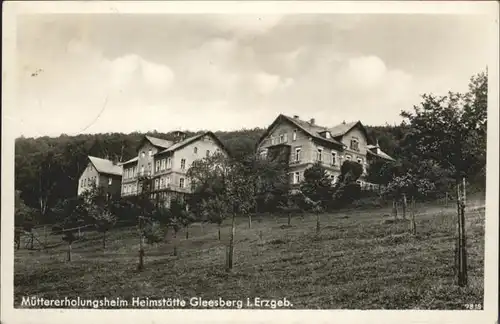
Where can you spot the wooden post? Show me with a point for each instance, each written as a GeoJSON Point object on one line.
{"type": "Point", "coordinates": [446, 199]}
{"type": "Point", "coordinates": [412, 212]}
{"type": "Point", "coordinates": [318, 225]}
{"type": "Point", "coordinates": [260, 235]}
{"type": "Point", "coordinates": [289, 218]}
{"type": "Point", "coordinates": [394, 209]}
{"type": "Point", "coordinates": [462, 280]}
{"type": "Point", "coordinates": [404, 206]}
{"type": "Point", "coordinates": [175, 242]}
{"type": "Point", "coordinates": [461, 253]}
{"type": "Point", "coordinates": [140, 266]}
{"type": "Point", "coordinates": [187, 232]}
{"type": "Point", "coordinates": [231, 246]}
{"type": "Point", "coordinates": [249, 221]}
{"type": "Point", "coordinates": [69, 251]}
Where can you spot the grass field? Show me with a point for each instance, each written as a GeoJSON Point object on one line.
{"type": "Point", "coordinates": [359, 261]}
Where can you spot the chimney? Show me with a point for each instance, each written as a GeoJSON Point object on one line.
{"type": "Point", "coordinates": [295, 117]}
{"type": "Point", "coordinates": [312, 121]}
{"type": "Point", "coordinates": [343, 122]}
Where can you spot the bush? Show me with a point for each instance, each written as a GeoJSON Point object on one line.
{"type": "Point", "coordinates": [153, 233]}
{"type": "Point", "coordinates": [346, 194]}
{"type": "Point", "coordinates": [369, 202]}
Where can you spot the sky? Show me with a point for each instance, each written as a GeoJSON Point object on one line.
{"type": "Point", "coordinates": [98, 73]}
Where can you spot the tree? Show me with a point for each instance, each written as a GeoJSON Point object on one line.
{"type": "Point", "coordinates": [215, 211]}
{"type": "Point", "coordinates": [290, 206]}
{"type": "Point", "coordinates": [103, 220]}
{"type": "Point", "coordinates": [231, 182]}
{"type": "Point", "coordinates": [350, 171]}
{"type": "Point", "coordinates": [451, 130]}
{"type": "Point", "coordinates": [23, 219]}
{"type": "Point", "coordinates": [379, 172]}
{"type": "Point", "coordinates": [175, 220]}
{"type": "Point", "coordinates": [317, 184]}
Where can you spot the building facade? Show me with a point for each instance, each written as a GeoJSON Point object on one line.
{"type": "Point", "coordinates": [308, 143]}
{"type": "Point", "coordinates": [161, 166]}
{"type": "Point", "coordinates": [102, 173]}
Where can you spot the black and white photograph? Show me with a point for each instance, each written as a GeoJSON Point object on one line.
{"type": "Point", "coordinates": [247, 156]}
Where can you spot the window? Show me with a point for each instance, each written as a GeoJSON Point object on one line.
{"type": "Point", "coordinates": [327, 135]}
{"type": "Point", "coordinates": [149, 167]}
{"type": "Point", "coordinates": [347, 157]}
{"type": "Point", "coordinates": [169, 163]}
{"type": "Point", "coordinates": [110, 181]}
{"type": "Point", "coordinates": [319, 155]}
{"type": "Point", "coordinates": [297, 154]}
{"type": "Point", "coordinates": [296, 177]}
{"type": "Point", "coordinates": [354, 144]}
{"type": "Point", "coordinates": [195, 150]}
{"type": "Point", "coordinates": [281, 139]}
{"type": "Point", "coordinates": [360, 160]}
{"type": "Point", "coordinates": [142, 170]}
{"type": "Point", "coordinates": [334, 158]}
{"type": "Point", "coordinates": [183, 164]}
{"type": "Point", "coordinates": [294, 136]}
{"type": "Point", "coordinates": [143, 154]}
{"type": "Point", "coordinates": [285, 137]}
{"type": "Point", "coordinates": [162, 182]}
{"type": "Point", "coordinates": [157, 183]}
{"type": "Point", "coordinates": [158, 165]}
{"type": "Point", "coordinates": [208, 153]}
{"type": "Point", "coordinates": [181, 182]}
{"type": "Point", "coordinates": [273, 140]}
{"type": "Point", "coordinates": [168, 180]}
{"type": "Point", "coordinates": [163, 164]}
{"type": "Point", "coordinates": [263, 153]}
{"type": "Point", "coordinates": [150, 152]}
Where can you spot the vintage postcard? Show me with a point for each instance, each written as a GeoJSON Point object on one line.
{"type": "Point", "coordinates": [241, 162]}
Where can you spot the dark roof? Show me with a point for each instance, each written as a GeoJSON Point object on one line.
{"type": "Point", "coordinates": [159, 142]}
{"type": "Point", "coordinates": [312, 130]}
{"type": "Point", "coordinates": [191, 139]}
{"type": "Point", "coordinates": [105, 166]}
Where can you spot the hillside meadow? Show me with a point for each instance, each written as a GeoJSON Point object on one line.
{"type": "Point", "coordinates": [362, 259]}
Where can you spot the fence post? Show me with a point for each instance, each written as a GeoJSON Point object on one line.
{"type": "Point", "coordinates": [461, 253]}
{"type": "Point", "coordinates": [413, 224]}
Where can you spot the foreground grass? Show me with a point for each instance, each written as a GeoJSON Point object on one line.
{"type": "Point", "coordinates": [358, 261]}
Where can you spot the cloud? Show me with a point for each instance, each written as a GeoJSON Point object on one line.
{"type": "Point", "coordinates": [132, 70]}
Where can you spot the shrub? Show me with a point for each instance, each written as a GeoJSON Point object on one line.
{"type": "Point", "coordinates": [153, 232]}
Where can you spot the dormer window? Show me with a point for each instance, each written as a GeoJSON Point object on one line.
{"type": "Point", "coordinates": [354, 144]}
{"type": "Point", "coordinates": [328, 135]}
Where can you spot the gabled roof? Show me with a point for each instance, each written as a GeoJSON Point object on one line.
{"type": "Point", "coordinates": [190, 140]}
{"type": "Point", "coordinates": [380, 153]}
{"type": "Point", "coordinates": [135, 159]}
{"type": "Point", "coordinates": [105, 166]}
{"type": "Point", "coordinates": [312, 130]}
{"type": "Point", "coordinates": [158, 142]}
{"type": "Point", "coordinates": [342, 129]}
